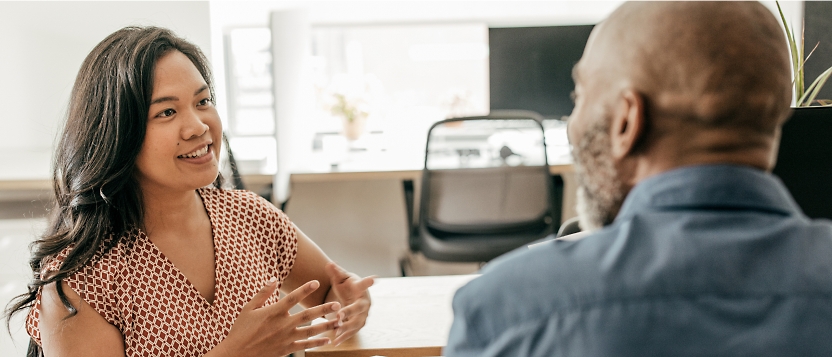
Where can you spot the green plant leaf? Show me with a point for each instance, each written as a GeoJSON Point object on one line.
{"type": "Point", "coordinates": [816, 86]}
{"type": "Point", "coordinates": [797, 57]}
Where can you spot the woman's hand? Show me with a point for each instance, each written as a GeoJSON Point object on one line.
{"type": "Point", "coordinates": [351, 291]}
{"type": "Point", "coordinates": [271, 330]}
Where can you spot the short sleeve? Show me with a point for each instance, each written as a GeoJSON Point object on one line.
{"type": "Point", "coordinates": [281, 239]}
{"type": "Point", "coordinates": [94, 283]}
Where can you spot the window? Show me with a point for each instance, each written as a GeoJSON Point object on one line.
{"type": "Point", "coordinates": [399, 79]}
{"type": "Point", "coordinates": [251, 100]}
{"type": "Point", "coordinates": [405, 78]}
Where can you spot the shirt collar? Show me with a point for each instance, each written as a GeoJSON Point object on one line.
{"type": "Point", "coordinates": [712, 186]}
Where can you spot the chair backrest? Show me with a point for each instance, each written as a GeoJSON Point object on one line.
{"type": "Point", "coordinates": [486, 182]}
{"type": "Point", "coordinates": [487, 200]}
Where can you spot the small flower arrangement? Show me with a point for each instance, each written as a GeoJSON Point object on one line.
{"type": "Point", "coordinates": [351, 109]}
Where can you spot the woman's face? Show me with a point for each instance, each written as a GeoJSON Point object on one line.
{"type": "Point", "coordinates": [184, 133]}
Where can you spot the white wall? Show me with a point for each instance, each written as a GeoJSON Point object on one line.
{"type": "Point", "coordinates": [42, 45]}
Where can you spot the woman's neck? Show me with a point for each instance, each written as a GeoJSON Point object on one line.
{"type": "Point", "coordinates": [167, 212]}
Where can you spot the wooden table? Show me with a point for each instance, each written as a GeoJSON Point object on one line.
{"type": "Point", "coordinates": [410, 317]}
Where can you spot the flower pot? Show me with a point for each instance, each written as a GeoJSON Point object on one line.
{"type": "Point", "coordinates": [354, 129]}
{"type": "Point", "coordinates": [804, 160]}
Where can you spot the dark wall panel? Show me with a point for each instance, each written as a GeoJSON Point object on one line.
{"type": "Point", "coordinates": [531, 67]}
{"type": "Point", "coordinates": [818, 29]}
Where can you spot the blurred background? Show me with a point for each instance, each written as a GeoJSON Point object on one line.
{"type": "Point", "coordinates": [326, 104]}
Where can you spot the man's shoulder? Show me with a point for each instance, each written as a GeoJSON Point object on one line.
{"type": "Point", "coordinates": [641, 256]}
{"type": "Point", "coordinates": [550, 275]}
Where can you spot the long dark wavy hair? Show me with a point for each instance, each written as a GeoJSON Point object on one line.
{"type": "Point", "coordinates": [96, 192]}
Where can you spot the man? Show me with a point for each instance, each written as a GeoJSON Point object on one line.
{"type": "Point", "coordinates": [696, 248]}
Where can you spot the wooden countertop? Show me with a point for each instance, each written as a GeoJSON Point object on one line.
{"type": "Point", "coordinates": [410, 317]}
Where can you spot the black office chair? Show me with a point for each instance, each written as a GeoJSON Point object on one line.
{"type": "Point", "coordinates": [486, 188]}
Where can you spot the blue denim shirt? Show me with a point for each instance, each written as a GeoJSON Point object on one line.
{"type": "Point", "coordinates": [700, 261]}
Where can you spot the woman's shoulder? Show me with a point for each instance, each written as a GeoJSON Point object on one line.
{"type": "Point", "coordinates": [110, 252]}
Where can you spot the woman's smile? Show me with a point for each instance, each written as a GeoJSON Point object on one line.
{"type": "Point", "coordinates": [199, 156]}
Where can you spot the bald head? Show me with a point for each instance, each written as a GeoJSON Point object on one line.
{"type": "Point", "coordinates": [711, 63]}
{"type": "Point", "coordinates": [663, 85]}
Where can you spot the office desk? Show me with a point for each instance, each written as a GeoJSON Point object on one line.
{"type": "Point", "coordinates": [330, 176]}
{"type": "Point", "coordinates": [410, 317]}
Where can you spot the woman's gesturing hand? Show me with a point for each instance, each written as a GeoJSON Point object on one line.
{"type": "Point", "coordinates": [271, 330]}
{"type": "Point", "coordinates": [351, 291]}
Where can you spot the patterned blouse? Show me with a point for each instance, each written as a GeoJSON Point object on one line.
{"type": "Point", "coordinates": [158, 311]}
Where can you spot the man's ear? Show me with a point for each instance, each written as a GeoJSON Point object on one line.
{"type": "Point", "coordinates": [628, 123]}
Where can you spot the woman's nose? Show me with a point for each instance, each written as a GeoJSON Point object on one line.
{"type": "Point", "coordinates": [194, 126]}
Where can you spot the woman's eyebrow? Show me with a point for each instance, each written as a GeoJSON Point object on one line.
{"type": "Point", "coordinates": [201, 89]}
{"type": "Point", "coordinates": [164, 99]}
{"type": "Point", "coordinates": [173, 98]}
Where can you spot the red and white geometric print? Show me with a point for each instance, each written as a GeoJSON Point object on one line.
{"type": "Point", "coordinates": [158, 311]}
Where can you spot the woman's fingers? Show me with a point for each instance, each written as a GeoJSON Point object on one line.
{"type": "Point", "coordinates": [356, 309]}
{"type": "Point", "coordinates": [296, 296]}
{"type": "Point", "coordinates": [352, 318]}
{"type": "Point", "coordinates": [306, 332]}
{"type": "Point", "coordinates": [307, 344]}
{"type": "Point", "coordinates": [310, 314]}
{"type": "Point", "coordinates": [264, 294]}
{"type": "Point", "coordinates": [364, 283]}
{"type": "Point", "coordinates": [344, 333]}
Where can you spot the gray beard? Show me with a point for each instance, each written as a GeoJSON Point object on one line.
{"type": "Point", "coordinates": [600, 192]}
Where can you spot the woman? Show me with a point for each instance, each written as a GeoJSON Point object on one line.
{"type": "Point", "coordinates": [141, 257]}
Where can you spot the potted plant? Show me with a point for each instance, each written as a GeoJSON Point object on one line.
{"type": "Point", "coordinates": [353, 112]}
{"type": "Point", "coordinates": [804, 97]}
{"type": "Point", "coordinates": [804, 158]}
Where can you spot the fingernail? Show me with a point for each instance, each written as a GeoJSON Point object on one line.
{"type": "Point", "coordinates": [315, 284]}
{"type": "Point", "coordinates": [272, 280]}
{"type": "Point", "coordinates": [336, 306]}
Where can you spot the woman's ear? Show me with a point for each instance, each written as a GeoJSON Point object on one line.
{"type": "Point", "coordinates": [628, 123]}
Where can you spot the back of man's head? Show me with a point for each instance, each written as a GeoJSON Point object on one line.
{"type": "Point", "coordinates": [663, 85]}
{"type": "Point", "coordinates": [715, 63]}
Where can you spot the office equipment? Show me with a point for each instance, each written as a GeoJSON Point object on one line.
{"type": "Point", "coordinates": [804, 161]}
{"type": "Point", "coordinates": [531, 67]}
{"type": "Point", "coordinates": [410, 317]}
{"type": "Point", "coordinates": [477, 203]}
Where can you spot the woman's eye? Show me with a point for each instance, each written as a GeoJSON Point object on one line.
{"type": "Point", "coordinates": [166, 113]}
{"type": "Point", "coordinates": [206, 101]}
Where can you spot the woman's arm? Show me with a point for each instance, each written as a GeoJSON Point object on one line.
{"type": "Point", "coordinates": [309, 265]}
{"type": "Point", "coordinates": [336, 285]}
{"type": "Point", "coordinates": [85, 334]}
{"type": "Point", "coordinates": [266, 331]}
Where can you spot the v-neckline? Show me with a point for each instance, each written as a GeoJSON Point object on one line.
{"type": "Point", "coordinates": [179, 273]}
